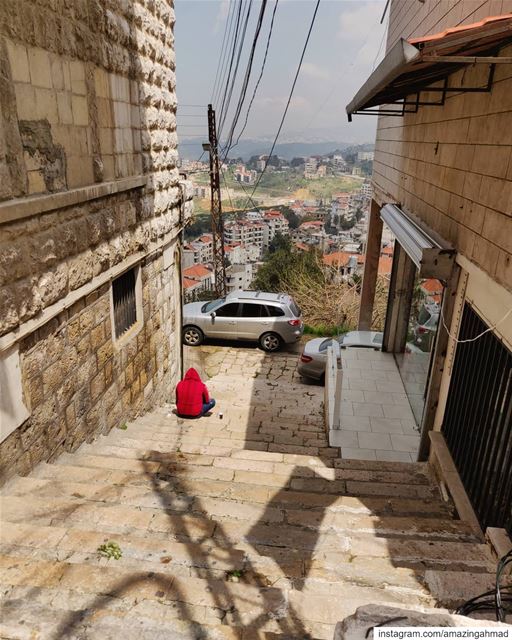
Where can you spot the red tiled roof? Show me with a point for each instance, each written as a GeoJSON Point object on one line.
{"type": "Point", "coordinates": [336, 259]}
{"type": "Point", "coordinates": [462, 27]}
{"type": "Point", "coordinates": [196, 270]}
{"type": "Point", "coordinates": [188, 284]}
{"type": "Point", "coordinates": [432, 286]}
{"type": "Point", "coordinates": [205, 238]}
{"type": "Point", "coordinates": [385, 265]}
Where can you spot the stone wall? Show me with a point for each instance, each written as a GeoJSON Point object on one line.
{"type": "Point", "coordinates": [89, 188]}
{"type": "Point", "coordinates": [78, 382]}
{"type": "Point", "coordinates": [452, 165]}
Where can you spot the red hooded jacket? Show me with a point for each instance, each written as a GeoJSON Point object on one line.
{"type": "Point", "coordinates": [191, 393]}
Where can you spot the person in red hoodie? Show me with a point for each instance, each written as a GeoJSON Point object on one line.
{"type": "Point", "coordinates": [192, 397]}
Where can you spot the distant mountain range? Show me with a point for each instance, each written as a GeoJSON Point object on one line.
{"type": "Point", "coordinates": [190, 149]}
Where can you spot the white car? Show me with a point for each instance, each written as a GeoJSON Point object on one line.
{"type": "Point", "coordinates": [314, 357]}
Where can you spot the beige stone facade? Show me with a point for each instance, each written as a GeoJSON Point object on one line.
{"type": "Point", "coordinates": [89, 190]}
{"type": "Point", "coordinates": [452, 165]}
{"type": "Point", "coordinates": [448, 169]}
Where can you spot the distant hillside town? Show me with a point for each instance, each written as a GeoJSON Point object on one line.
{"type": "Point", "coordinates": [334, 227]}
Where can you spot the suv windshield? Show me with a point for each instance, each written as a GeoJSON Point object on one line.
{"type": "Point", "coordinates": [210, 306]}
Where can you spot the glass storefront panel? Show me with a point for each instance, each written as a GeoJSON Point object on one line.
{"type": "Point", "coordinates": [414, 362]}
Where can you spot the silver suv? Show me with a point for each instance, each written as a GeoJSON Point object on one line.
{"type": "Point", "coordinates": [270, 318]}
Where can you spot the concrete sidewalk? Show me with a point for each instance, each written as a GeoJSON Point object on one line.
{"type": "Point", "coordinates": [377, 420]}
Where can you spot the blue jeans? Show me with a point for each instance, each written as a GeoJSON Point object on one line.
{"type": "Point", "coordinates": [208, 406]}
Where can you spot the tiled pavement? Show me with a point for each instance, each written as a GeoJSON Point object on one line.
{"type": "Point", "coordinates": [248, 527]}
{"type": "Point", "coordinates": [377, 421]}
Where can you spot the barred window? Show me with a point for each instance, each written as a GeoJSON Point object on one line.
{"type": "Point", "coordinates": [124, 302]}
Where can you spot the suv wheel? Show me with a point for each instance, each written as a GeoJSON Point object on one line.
{"type": "Point", "coordinates": [270, 342]}
{"type": "Point", "coordinates": [192, 336]}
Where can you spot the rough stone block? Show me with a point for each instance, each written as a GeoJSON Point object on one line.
{"type": "Point", "coordinates": [18, 60]}
{"type": "Point", "coordinates": [40, 69]}
{"type": "Point", "coordinates": [101, 83]}
{"type": "Point", "coordinates": [77, 76]}
{"type": "Point", "coordinates": [64, 107]}
{"type": "Point", "coordinates": [80, 110]}
{"type": "Point", "coordinates": [26, 102]}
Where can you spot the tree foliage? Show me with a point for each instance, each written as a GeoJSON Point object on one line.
{"type": "Point", "coordinates": [325, 299]}
{"type": "Point", "coordinates": [202, 224]}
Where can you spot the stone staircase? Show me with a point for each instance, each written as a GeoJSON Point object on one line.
{"type": "Point", "coordinates": [245, 527]}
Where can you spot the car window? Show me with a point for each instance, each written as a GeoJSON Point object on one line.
{"type": "Point", "coordinates": [228, 310]}
{"type": "Point", "coordinates": [274, 312]}
{"type": "Point", "coordinates": [328, 341]}
{"type": "Point", "coordinates": [251, 310]}
{"type": "Point", "coordinates": [210, 306]}
{"type": "Point", "coordinates": [295, 309]}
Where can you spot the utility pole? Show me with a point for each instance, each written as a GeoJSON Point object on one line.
{"type": "Point", "coordinates": [219, 264]}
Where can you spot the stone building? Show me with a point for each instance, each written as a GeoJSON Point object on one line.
{"type": "Point", "coordinates": [442, 182]}
{"type": "Point", "coordinates": [90, 217]}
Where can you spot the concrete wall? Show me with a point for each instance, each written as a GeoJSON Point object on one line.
{"type": "Point", "coordinates": [452, 165]}
{"type": "Point", "coordinates": [89, 188]}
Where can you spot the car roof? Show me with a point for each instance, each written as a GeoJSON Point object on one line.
{"type": "Point", "coordinates": [258, 296]}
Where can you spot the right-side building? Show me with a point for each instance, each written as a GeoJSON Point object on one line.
{"type": "Point", "coordinates": [442, 183]}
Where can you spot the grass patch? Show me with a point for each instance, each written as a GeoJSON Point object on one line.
{"type": "Point", "coordinates": [123, 426]}
{"type": "Point", "coordinates": [327, 330]}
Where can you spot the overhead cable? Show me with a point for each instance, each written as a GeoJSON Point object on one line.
{"type": "Point", "coordinates": [222, 51]}
{"type": "Point", "coordinates": [232, 58]}
{"type": "Point", "coordinates": [224, 112]}
{"type": "Point", "coordinates": [245, 83]}
{"type": "Point", "coordinates": [260, 76]}
{"type": "Point", "coordinates": [226, 46]}
{"type": "Point", "coordinates": [289, 99]}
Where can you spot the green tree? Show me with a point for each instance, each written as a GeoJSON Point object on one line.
{"type": "Point", "coordinates": [280, 242]}
{"type": "Point", "coordinates": [202, 224]}
{"type": "Point", "coordinates": [284, 265]}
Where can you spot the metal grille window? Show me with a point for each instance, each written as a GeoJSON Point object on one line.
{"type": "Point", "coordinates": [477, 424]}
{"type": "Point", "coordinates": [124, 301]}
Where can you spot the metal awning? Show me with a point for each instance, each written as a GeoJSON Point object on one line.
{"type": "Point", "coordinates": [430, 253]}
{"type": "Point", "coordinates": [420, 64]}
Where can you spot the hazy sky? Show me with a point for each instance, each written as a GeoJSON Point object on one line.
{"type": "Point", "coordinates": [342, 51]}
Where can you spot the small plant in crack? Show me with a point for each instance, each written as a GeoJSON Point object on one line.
{"type": "Point", "coordinates": [235, 575]}
{"type": "Point", "coordinates": [110, 550]}
{"type": "Point", "coordinates": [123, 426]}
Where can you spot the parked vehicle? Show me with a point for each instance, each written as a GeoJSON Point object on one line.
{"type": "Point", "coordinates": [271, 319]}
{"type": "Point", "coordinates": [426, 326]}
{"type": "Point", "coordinates": [313, 359]}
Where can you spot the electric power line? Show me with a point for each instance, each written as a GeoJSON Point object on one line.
{"type": "Point", "coordinates": [239, 54]}
{"type": "Point", "coordinates": [219, 81]}
{"type": "Point", "coordinates": [247, 77]}
{"type": "Point", "coordinates": [289, 97]}
{"type": "Point", "coordinates": [260, 76]}
{"type": "Point", "coordinates": [219, 64]}
{"type": "Point", "coordinates": [229, 66]}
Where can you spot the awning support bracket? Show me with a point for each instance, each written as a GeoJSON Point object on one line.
{"type": "Point", "coordinates": [419, 103]}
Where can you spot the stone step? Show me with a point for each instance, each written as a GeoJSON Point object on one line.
{"type": "Point", "coordinates": [134, 474]}
{"type": "Point", "coordinates": [145, 552]}
{"type": "Point", "coordinates": [277, 567]}
{"type": "Point", "coordinates": [221, 510]}
{"type": "Point", "coordinates": [155, 594]}
{"type": "Point", "coordinates": [24, 619]}
{"type": "Point", "coordinates": [383, 484]}
{"type": "Point", "coordinates": [120, 519]}
{"type": "Point", "coordinates": [329, 472]}
{"type": "Point", "coordinates": [260, 566]}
